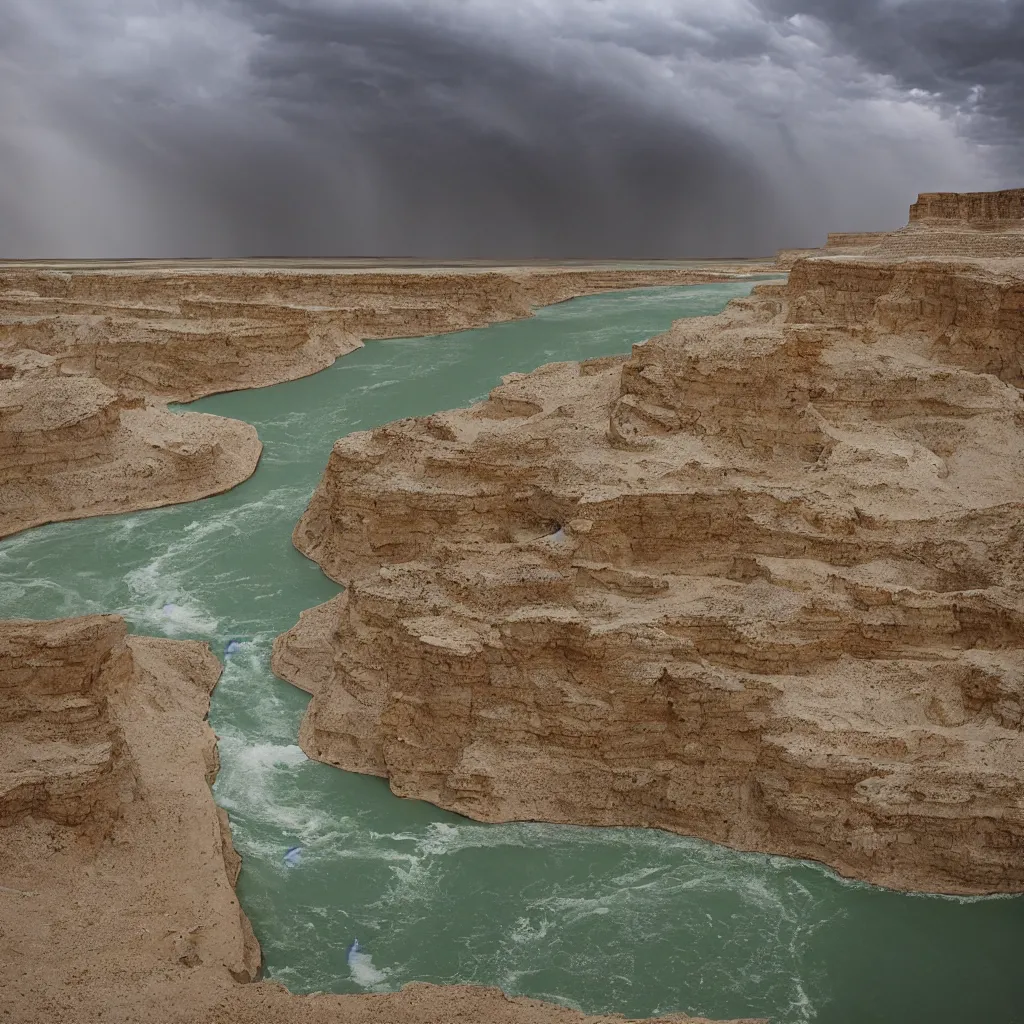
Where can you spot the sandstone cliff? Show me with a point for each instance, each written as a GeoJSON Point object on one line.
{"type": "Point", "coordinates": [89, 355]}
{"type": "Point", "coordinates": [979, 225]}
{"type": "Point", "coordinates": [117, 900]}
{"type": "Point", "coordinates": [183, 331]}
{"type": "Point", "coordinates": [760, 582]}
{"type": "Point", "coordinates": [979, 208]}
{"type": "Point", "coordinates": [118, 885]}
{"type": "Point", "coordinates": [72, 447]}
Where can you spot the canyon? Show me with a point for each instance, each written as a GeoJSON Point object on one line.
{"type": "Point", "coordinates": [92, 353]}
{"type": "Point", "coordinates": [758, 582]}
{"type": "Point", "coordinates": [117, 899]}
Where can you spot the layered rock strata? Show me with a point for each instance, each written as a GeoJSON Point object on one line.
{"type": "Point", "coordinates": [90, 355]}
{"type": "Point", "coordinates": [118, 882]}
{"type": "Point", "coordinates": [759, 582]}
{"type": "Point", "coordinates": [117, 900]}
{"type": "Point", "coordinates": [72, 447]}
{"type": "Point", "coordinates": [978, 225]}
{"type": "Point", "coordinates": [1005, 208]}
{"type": "Point", "coordinates": [184, 330]}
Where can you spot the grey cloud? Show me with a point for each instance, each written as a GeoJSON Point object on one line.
{"type": "Point", "coordinates": [529, 159]}
{"type": "Point", "coordinates": [442, 128]}
{"type": "Point", "coordinates": [968, 52]}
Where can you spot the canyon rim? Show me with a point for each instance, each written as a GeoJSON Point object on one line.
{"type": "Point", "coordinates": [759, 582]}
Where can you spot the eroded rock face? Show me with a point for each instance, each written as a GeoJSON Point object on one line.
{"type": "Point", "coordinates": [760, 582]}
{"type": "Point", "coordinates": [974, 225]}
{"type": "Point", "coordinates": [972, 207]}
{"type": "Point", "coordinates": [72, 447]}
{"type": "Point", "coordinates": [117, 900]}
{"type": "Point", "coordinates": [90, 355]}
{"type": "Point", "coordinates": [119, 883]}
{"type": "Point", "coordinates": [63, 756]}
{"type": "Point", "coordinates": [179, 333]}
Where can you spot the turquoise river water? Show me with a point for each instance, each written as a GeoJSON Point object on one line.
{"type": "Point", "coordinates": [613, 920]}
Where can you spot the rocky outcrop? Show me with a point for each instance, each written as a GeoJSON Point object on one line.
{"type": "Point", "coordinates": [91, 354]}
{"type": "Point", "coordinates": [72, 447]}
{"type": "Point", "coordinates": [977, 208]}
{"type": "Point", "coordinates": [117, 901]}
{"type": "Point", "coordinates": [185, 330]}
{"type": "Point", "coordinates": [974, 225]}
{"type": "Point", "coordinates": [760, 582]}
{"type": "Point", "coordinates": [63, 757]}
{"type": "Point", "coordinates": [123, 877]}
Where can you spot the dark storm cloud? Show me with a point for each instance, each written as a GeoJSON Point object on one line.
{"type": "Point", "coordinates": [968, 52]}
{"type": "Point", "coordinates": [482, 151]}
{"type": "Point", "coordinates": [459, 127]}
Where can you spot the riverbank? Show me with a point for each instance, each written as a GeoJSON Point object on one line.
{"type": "Point", "coordinates": [92, 352]}
{"type": "Point", "coordinates": [574, 915]}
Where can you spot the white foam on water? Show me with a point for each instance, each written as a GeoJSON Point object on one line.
{"type": "Point", "coordinates": [159, 600]}
{"type": "Point", "coordinates": [291, 419]}
{"type": "Point", "coordinates": [640, 875]}
{"type": "Point", "coordinates": [251, 655]}
{"type": "Point", "coordinates": [574, 909]}
{"type": "Point", "coordinates": [365, 974]}
{"type": "Point", "coordinates": [39, 598]}
{"type": "Point", "coordinates": [125, 526]}
{"type": "Point", "coordinates": [170, 577]}
{"type": "Point", "coordinates": [442, 839]}
{"type": "Point", "coordinates": [12, 546]}
{"type": "Point", "coordinates": [527, 933]}
{"type": "Point", "coordinates": [259, 781]}
{"type": "Point", "coordinates": [800, 1008]}
{"type": "Point", "coordinates": [290, 977]}
{"type": "Point", "coordinates": [178, 619]}
{"type": "Point", "coordinates": [260, 756]}
{"type": "Point", "coordinates": [403, 864]}
{"type": "Point", "coordinates": [559, 999]}
{"type": "Point", "coordinates": [376, 387]}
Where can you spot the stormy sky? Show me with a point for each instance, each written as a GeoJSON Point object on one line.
{"type": "Point", "coordinates": [493, 128]}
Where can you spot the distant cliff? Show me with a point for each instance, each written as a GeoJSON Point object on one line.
{"type": "Point", "coordinates": [978, 208]}
{"type": "Point", "coordinates": [975, 225]}
{"type": "Point", "coordinates": [91, 354]}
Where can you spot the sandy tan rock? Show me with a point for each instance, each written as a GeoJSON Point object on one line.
{"type": "Point", "coordinates": [90, 354]}
{"type": "Point", "coordinates": [72, 447]}
{"type": "Point", "coordinates": [181, 331]}
{"type": "Point", "coordinates": [978, 225]}
{"type": "Point", "coordinates": [118, 876]}
{"type": "Point", "coordinates": [980, 208]}
{"type": "Point", "coordinates": [761, 582]}
{"type": "Point", "coordinates": [117, 873]}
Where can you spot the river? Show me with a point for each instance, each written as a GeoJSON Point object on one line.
{"type": "Point", "coordinates": [606, 920]}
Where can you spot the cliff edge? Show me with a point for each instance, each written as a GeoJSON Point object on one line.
{"type": "Point", "coordinates": [974, 225]}
{"type": "Point", "coordinates": [119, 889]}
{"type": "Point", "coordinates": [72, 447]}
{"type": "Point", "coordinates": [117, 900]}
{"type": "Point", "coordinates": [90, 355]}
{"type": "Point", "coordinates": [760, 582]}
